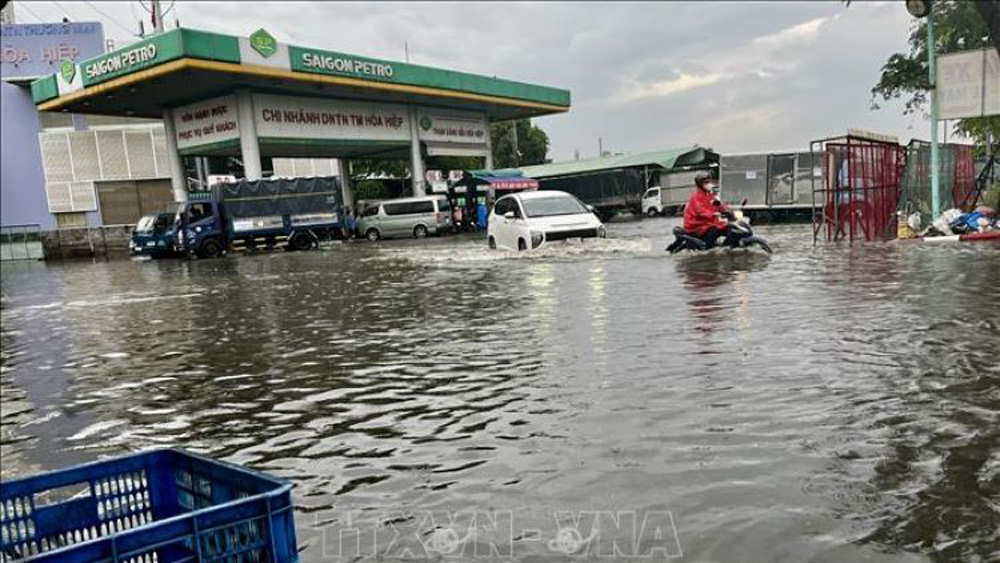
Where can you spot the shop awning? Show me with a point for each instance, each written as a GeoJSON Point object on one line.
{"type": "Point", "coordinates": [498, 180]}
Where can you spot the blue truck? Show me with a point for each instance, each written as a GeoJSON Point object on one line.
{"type": "Point", "coordinates": [295, 214]}
{"type": "Point", "coordinates": [153, 236]}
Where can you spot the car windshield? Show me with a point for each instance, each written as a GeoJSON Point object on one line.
{"type": "Point", "coordinates": [548, 206]}
{"type": "Point", "coordinates": [145, 225]}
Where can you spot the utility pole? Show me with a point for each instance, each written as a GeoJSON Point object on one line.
{"type": "Point", "coordinates": [517, 155]}
{"type": "Point", "coordinates": [157, 17]}
{"type": "Point", "coordinates": [935, 153]}
{"type": "Point", "coordinates": [600, 147]}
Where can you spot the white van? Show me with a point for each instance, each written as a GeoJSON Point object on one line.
{"type": "Point", "coordinates": [414, 217]}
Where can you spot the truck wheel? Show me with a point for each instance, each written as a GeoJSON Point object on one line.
{"type": "Point", "coordinates": [373, 235]}
{"type": "Point", "coordinates": [492, 242]}
{"type": "Point", "coordinates": [420, 231]}
{"type": "Point", "coordinates": [300, 241]}
{"type": "Point", "coordinates": [521, 245]}
{"type": "Point", "coordinates": [652, 212]}
{"type": "Point", "coordinates": [210, 249]}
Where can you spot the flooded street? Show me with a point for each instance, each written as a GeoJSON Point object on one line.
{"type": "Point", "coordinates": [821, 404]}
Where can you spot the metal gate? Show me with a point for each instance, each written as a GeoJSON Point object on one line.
{"type": "Point", "coordinates": [780, 179]}
{"type": "Point", "coordinates": [861, 188]}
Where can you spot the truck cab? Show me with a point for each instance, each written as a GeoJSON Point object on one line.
{"type": "Point", "coordinates": [652, 205]}
{"type": "Point", "coordinates": [202, 229]}
{"type": "Point", "coordinates": [154, 236]}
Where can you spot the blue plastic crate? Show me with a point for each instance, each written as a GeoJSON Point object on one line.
{"type": "Point", "coordinates": [162, 506]}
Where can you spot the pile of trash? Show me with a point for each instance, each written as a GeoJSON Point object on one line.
{"type": "Point", "coordinates": [982, 219]}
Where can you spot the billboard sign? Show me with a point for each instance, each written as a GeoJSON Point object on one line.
{"type": "Point", "coordinates": [287, 117]}
{"type": "Point", "coordinates": [968, 84]}
{"type": "Point", "coordinates": [207, 124]}
{"type": "Point", "coordinates": [33, 50]}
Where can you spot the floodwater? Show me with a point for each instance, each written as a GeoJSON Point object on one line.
{"type": "Point", "coordinates": [436, 401]}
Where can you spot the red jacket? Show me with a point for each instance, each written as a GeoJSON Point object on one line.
{"type": "Point", "coordinates": [699, 214]}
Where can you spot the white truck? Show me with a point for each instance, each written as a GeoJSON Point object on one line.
{"type": "Point", "coordinates": [670, 196]}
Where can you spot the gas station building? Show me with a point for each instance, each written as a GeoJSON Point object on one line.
{"type": "Point", "coordinates": [255, 97]}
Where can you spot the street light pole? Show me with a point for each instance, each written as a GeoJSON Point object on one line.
{"type": "Point", "coordinates": [935, 156]}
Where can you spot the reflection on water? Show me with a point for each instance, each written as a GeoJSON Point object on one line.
{"type": "Point", "coordinates": [827, 404]}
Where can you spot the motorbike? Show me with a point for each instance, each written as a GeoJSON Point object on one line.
{"type": "Point", "coordinates": [739, 235]}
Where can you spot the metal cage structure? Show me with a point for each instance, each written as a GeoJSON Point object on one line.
{"type": "Point", "coordinates": [860, 189]}
{"type": "Point", "coordinates": [959, 183]}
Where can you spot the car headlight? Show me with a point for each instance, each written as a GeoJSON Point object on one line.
{"type": "Point", "coordinates": [602, 232]}
{"type": "Point", "coordinates": [536, 239]}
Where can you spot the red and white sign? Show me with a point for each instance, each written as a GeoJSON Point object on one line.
{"type": "Point", "coordinates": [207, 122]}
{"type": "Point", "coordinates": [289, 117]}
{"type": "Point", "coordinates": [525, 184]}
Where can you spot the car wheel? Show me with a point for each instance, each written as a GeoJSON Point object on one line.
{"type": "Point", "coordinates": [210, 249]}
{"type": "Point", "coordinates": [373, 235]}
{"type": "Point", "coordinates": [492, 242]}
{"type": "Point", "coordinates": [652, 212]}
{"type": "Point", "coordinates": [420, 231]}
{"type": "Point", "coordinates": [521, 245]}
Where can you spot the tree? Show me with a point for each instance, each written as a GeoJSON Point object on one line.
{"type": "Point", "coordinates": [532, 144]}
{"type": "Point", "coordinates": [958, 26]}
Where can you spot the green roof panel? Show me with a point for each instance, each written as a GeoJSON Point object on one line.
{"type": "Point", "coordinates": [674, 158]}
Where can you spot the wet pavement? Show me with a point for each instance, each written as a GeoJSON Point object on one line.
{"type": "Point", "coordinates": [438, 401]}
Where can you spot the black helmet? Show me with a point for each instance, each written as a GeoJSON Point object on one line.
{"type": "Point", "coordinates": [701, 177]}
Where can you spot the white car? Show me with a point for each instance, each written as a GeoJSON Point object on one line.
{"type": "Point", "coordinates": [529, 220]}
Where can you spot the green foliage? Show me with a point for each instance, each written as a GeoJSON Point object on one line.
{"type": "Point", "coordinates": [371, 189]}
{"type": "Point", "coordinates": [532, 143]}
{"type": "Point", "coordinates": [446, 163]}
{"type": "Point", "coordinates": [957, 27]}
{"type": "Point", "coordinates": [992, 196]}
{"type": "Point", "coordinates": [364, 167]}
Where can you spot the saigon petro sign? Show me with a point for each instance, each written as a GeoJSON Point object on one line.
{"type": "Point", "coordinates": [339, 64]}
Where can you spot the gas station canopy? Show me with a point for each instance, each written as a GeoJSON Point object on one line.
{"type": "Point", "coordinates": [183, 66]}
{"type": "Point", "coordinates": [303, 101]}
{"type": "Point", "coordinates": [255, 97]}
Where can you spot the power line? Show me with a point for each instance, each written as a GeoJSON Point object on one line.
{"type": "Point", "coordinates": [111, 19]}
{"type": "Point", "coordinates": [61, 9]}
{"type": "Point", "coordinates": [24, 6]}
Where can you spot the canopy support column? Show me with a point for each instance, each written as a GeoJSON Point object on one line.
{"type": "Point", "coordinates": [178, 182]}
{"type": "Point", "coordinates": [416, 157]}
{"type": "Point", "coordinates": [346, 188]}
{"type": "Point", "coordinates": [489, 145]}
{"type": "Point", "coordinates": [249, 144]}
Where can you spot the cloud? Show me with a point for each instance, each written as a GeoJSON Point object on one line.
{"type": "Point", "coordinates": [803, 32]}
{"type": "Point", "coordinates": [739, 76]}
{"type": "Point", "coordinates": [662, 88]}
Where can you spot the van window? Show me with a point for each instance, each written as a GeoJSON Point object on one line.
{"type": "Point", "coordinates": [409, 207]}
{"type": "Point", "coordinates": [370, 211]}
{"type": "Point", "coordinates": [444, 206]}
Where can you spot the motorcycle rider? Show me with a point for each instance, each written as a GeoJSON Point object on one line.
{"type": "Point", "coordinates": [703, 214]}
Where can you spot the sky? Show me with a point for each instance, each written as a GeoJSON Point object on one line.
{"type": "Point", "coordinates": [734, 76]}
